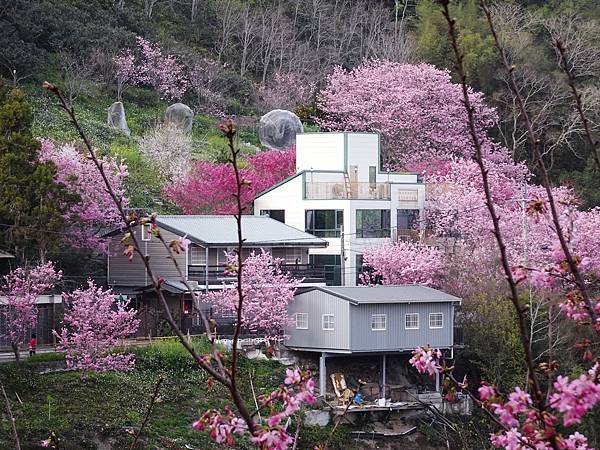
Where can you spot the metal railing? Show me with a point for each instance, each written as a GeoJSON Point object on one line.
{"type": "Point", "coordinates": [216, 274]}
{"type": "Point", "coordinates": [347, 191]}
{"type": "Point", "coordinates": [423, 236]}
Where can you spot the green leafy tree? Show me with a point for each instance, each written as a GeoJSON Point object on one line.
{"type": "Point", "coordinates": [31, 203]}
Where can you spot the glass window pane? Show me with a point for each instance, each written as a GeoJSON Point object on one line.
{"type": "Point", "coordinates": [310, 219]}
{"type": "Point", "coordinates": [340, 218]}
{"type": "Point", "coordinates": [372, 174]}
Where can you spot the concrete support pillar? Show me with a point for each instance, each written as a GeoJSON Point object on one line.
{"type": "Point", "coordinates": [383, 370]}
{"type": "Point", "coordinates": [322, 375]}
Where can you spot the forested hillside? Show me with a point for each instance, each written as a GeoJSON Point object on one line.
{"type": "Point", "coordinates": [244, 58]}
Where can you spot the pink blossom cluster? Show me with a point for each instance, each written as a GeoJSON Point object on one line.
{"type": "Point", "coordinates": [162, 71]}
{"type": "Point", "coordinates": [270, 432]}
{"type": "Point", "coordinates": [416, 108]}
{"type": "Point", "coordinates": [573, 399]}
{"type": "Point", "coordinates": [95, 210]}
{"type": "Point", "coordinates": [222, 426]}
{"type": "Point", "coordinates": [94, 323]}
{"type": "Point", "coordinates": [209, 187]}
{"type": "Point", "coordinates": [125, 70]}
{"type": "Point", "coordinates": [426, 360]}
{"type": "Point", "coordinates": [20, 289]}
{"type": "Point", "coordinates": [526, 427]}
{"type": "Point", "coordinates": [268, 291]}
{"type": "Point", "coordinates": [403, 263]}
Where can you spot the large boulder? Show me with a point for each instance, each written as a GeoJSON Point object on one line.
{"type": "Point", "coordinates": [116, 117]}
{"type": "Point", "coordinates": [277, 129]}
{"type": "Point", "coordinates": [181, 116]}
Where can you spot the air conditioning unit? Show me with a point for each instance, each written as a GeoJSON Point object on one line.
{"type": "Point", "coordinates": [193, 285]}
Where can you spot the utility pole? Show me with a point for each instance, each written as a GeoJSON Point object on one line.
{"type": "Point", "coordinates": [342, 258]}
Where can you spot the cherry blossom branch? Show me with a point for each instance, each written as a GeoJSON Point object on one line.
{"type": "Point", "coordinates": [129, 222]}
{"type": "Point", "coordinates": [545, 178]}
{"type": "Point", "coordinates": [514, 296]}
{"type": "Point", "coordinates": [11, 418]}
{"type": "Point", "coordinates": [229, 130]}
{"type": "Point", "coordinates": [562, 53]}
{"type": "Point", "coordinates": [148, 411]}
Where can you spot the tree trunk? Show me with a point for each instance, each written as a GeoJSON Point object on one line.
{"type": "Point", "coordinates": [15, 348]}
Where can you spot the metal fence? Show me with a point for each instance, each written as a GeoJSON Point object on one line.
{"type": "Point", "coordinates": [49, 318]}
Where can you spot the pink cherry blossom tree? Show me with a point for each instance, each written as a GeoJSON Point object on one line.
{"type": "Point", "coordinates": [95, 210]}
{"type": "Point", "coordinates": [20, 290]}
{"type": "Point", "coordinates": [209, 187]}
{"type": "Point", "coordinates": [417, 109]}
{"type": "Point", "coordinates": [163, 72]}
{"type": "Point", "coordinates": [125, 71]}
{"type": "Point", "coordinates": [530, 417]}
{"type": "Point", "coordinates": [95, 321]}
{"type": "Point", "coordinates": [268, 291]}
{"type": "Point", "coordinates": [403, 263]}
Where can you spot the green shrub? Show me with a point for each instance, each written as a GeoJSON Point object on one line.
{"type": "Point", "coordinates": [168, 355]}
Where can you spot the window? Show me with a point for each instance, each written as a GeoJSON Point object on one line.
{"type": "Point", "coordinates": [331, 266]}
{"type": "Point", "coordinates": [146, 236]}
{"type": "Point", "coordinates": [411, 321]}
{"type": "Point", "coordinates": [372, 175]}
{"type": "Point", "coordinates": [197, 256]}
{"type": "Point", "coordinates": [324, 222]}
{"type": "Point", "coordinates": [436, 320]}
{"type": "Point", "coordinates": [276, 214]}
{"type": "Point", "coordinates": [328, 321]}
{"type": "Point", "coordinates": [378, 322]}
{"type": "Point", "coordinates": [301, 321]}
{"type": "Point", "coordinates": [222, 255]}
{"type": "Point", "coordinates": [408, 219]}
{"type": "Point", "coordinates": [372, 223]}
{"type": "Point", "coordinates": [293, 255]}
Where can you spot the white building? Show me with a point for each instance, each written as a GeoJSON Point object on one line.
{"type": "Point", "coordinates": [340, 193]}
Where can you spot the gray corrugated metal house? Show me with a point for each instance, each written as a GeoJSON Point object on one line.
{"type": "Point", "coordinates": [211, 237]}
{"type": "Point", "coordinates": [370, 320]}
{"type": "Point", "coordinates": [204, 261]}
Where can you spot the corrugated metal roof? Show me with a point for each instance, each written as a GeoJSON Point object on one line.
{"type": "Point", "coordinates": [409, 293]}
{"type": "Point", "coordinates": [222, 230]}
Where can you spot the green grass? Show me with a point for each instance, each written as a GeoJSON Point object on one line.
{"type": "Point", "coordinates": [45, 357]}
{"type": "Point", "coordinates": [99, 408]}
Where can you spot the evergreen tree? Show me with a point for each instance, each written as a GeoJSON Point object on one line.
{"type": "Point", "coordinates": [31, 203]}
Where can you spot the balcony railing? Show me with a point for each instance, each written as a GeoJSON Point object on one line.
{"type": "Point", "coordinates": [425, 236]}
{"type": "Point", "coordinates": [347, 191]}
{"type": "Point", "coordinates": [214, 275]}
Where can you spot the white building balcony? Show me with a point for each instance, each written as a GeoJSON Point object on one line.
{"type": "Point", "coordinates": [347, 191]}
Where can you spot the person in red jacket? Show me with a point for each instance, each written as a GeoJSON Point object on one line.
{"type": "Point", "coordinates": [32, 344]}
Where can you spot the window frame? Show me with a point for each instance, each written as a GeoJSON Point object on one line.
{"type": "Point", "coordinates": [202, 251]}
{"type": "Point", "coordinates": [332, 316]}
{"type": "Point", "coordinates": [441, 314]}
{"type": "Point", "coordinates": [406, 317]}
{"type": "Point", "coordinates": [305, 314]}
{"type": "Point", "coordinates": [146, 236]}
{"type": "Point", "coordinates": [292, 254]}
{"type": "Point", "coordinates": [368, 233]}
{"type": "Point", "coordinates": [412, 216]}
{"type": "Point", "coordinates": [338, 223]}
{"type": "Point", "coordinates": [373, 316]}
